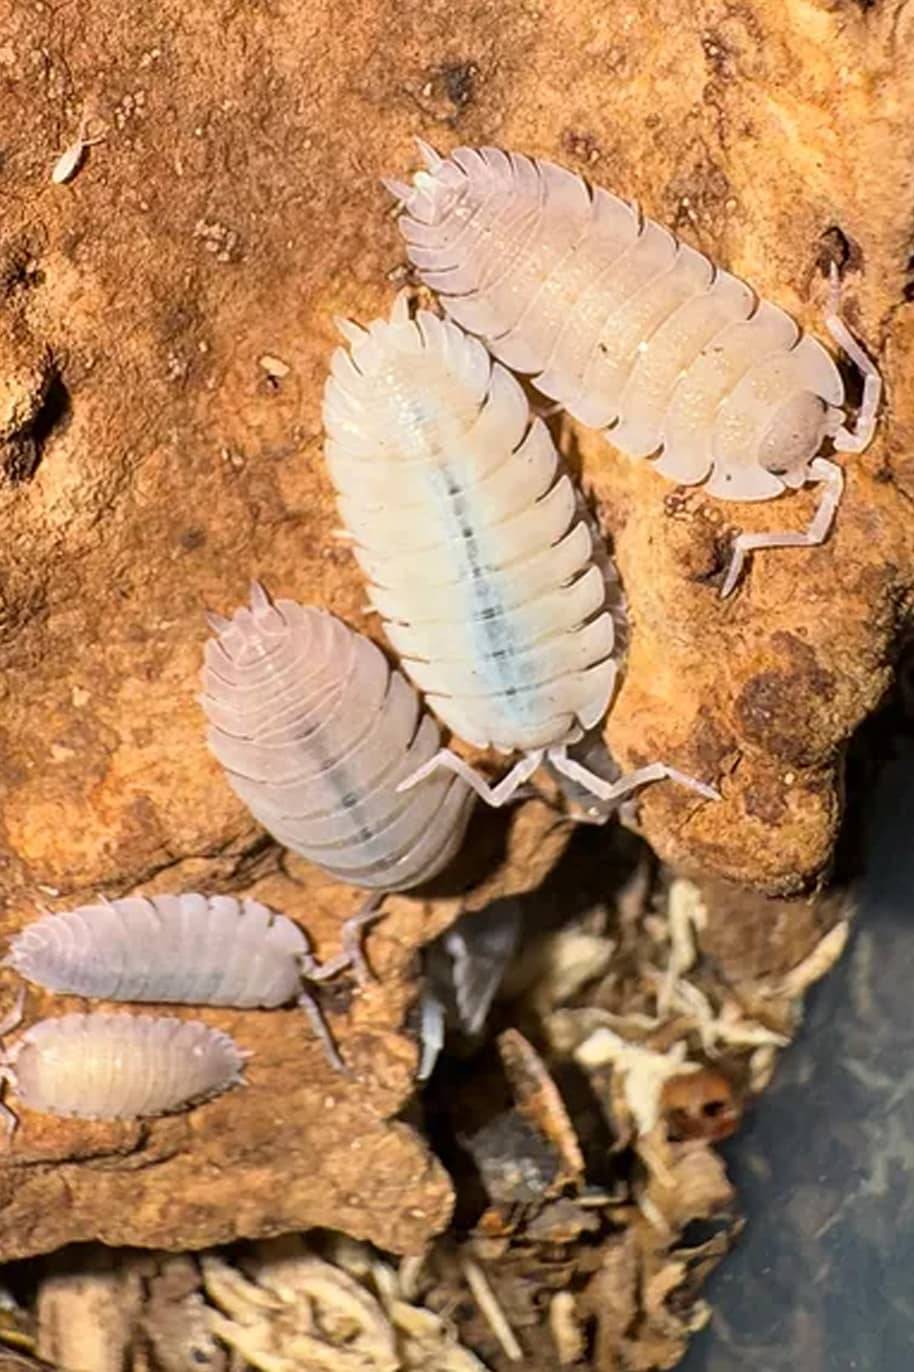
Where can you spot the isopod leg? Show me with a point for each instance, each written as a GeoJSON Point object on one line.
{"type": "Point", "coordinates": [832, 479]}
{"type": "Point", "coordinates": [351, 937]}
{"type": "Point", "coordinates": [87, 139]}
{"type": "Point", "coordinates": [321, 1030]}
{"type": "Point", "coordinates": [324, 971]}
{"type": "Point", "coordinates": [351, 954]}
{"type": "Point", "coordinates": [497, 795]}
{"type": "Point", "coordinates": [854, 440]}
{"type": "Point", "coordinates": [431, 1034]}
{"type": "Point", "coordinates": [624, 785]}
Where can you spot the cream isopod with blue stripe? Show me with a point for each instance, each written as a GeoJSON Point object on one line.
{"type": "Point", "coordinates": [473, 540]}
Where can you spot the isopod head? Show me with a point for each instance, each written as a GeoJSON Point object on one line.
{"type": "Point", "coordinates": [796, 431]}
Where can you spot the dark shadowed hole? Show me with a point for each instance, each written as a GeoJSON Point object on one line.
{"type": "Point", "coordinates": [24, 454]}
{"type": "Point", "coordinates": [835, 246]}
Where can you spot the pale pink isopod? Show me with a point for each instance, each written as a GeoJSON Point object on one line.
{"type": "Point", "coordinates": [186, 949]}
{"type": "Point", "coordinates": [635, 332]}
{"type": "Point", "coordinates": [120, 1066]}
{"type": "Point", "coordinates": [472, 537]}
{"type": "Point", "coordinates": [316, 733]}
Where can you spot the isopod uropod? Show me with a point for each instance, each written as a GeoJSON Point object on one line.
{"type": "Point", "coordinates": [119, 1066]}
{"type": "Point", "coordinates": [636, 333]}
{"type": "Point", "coordinates": [316, 732]}
{"type": "Point", "coordinates": [479, 559]}
{"type": "Point", "coordinates": [186, 949]}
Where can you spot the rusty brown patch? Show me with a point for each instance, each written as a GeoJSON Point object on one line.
{"type": "Point", "coordinates": [785, 710]}
{"type": "Point", "coordinates": [766, 803]}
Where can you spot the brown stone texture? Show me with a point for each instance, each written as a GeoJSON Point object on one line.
{"type": "Point", "coordinates": [150, 465]}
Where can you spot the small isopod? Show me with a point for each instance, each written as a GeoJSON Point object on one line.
{"type": "Point", "coordinates": [186, 949]}
{"type": "Point", "coordinates": [479, 558]}
{"type": "Point", "coordinates": [316, 733]}
{"type": "Point", "coordinates": [636, 333]}
{"type": "Point", "coordinates": [108, 1067]}
{"type": "Point", "coordinates": [71, 159]}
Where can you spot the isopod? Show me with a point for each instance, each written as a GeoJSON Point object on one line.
{"type": "Point", "coordinates": [316, 732]}
{"type": "Point", "coordinates": [479, 559]}
{"type": "Point", "coordinates": [119, 1066]}
{"type": "Point", "coordinates": [181, 949]}
{"type": "Point", "coordinates": [186, 949]}
{"type": "Point", "coordinates": [636, 333]}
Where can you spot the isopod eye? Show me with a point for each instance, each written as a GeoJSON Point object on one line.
{"type": "Point", "coordinates": [793, 437]}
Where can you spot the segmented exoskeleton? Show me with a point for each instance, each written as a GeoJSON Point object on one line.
{"type": "Point", "coordinates": [186, 949]}
{"type": "Point", "coordinates": [316, 733]}
{"type": "Point", "coordinates": [475, 547]}
{"type": "Point", "coordinates": [634, 332]}
{"type": "Point", "coordinates": [120, 1066]}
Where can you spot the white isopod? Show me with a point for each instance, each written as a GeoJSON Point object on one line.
{"type": "Point", "coordinates": [120, 1066]}
{"type": "Point", "coordinates": [472, 538]}
{"type": "Point", "coordinates": [316, 732]}
{"type": "Point", "coordinates": [182, 949]}
{"type": "Point", "coordinates": [186, 949]}
{"type": "Point", "coordinates": [636, 333]}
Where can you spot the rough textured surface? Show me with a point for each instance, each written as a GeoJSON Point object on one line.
{"type": "Point", "coordinates": [294, 1142]}
{"type": "Point", "coordinates": [151, 465]}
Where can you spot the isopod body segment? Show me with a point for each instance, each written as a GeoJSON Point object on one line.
{"type": "Point", "coordinates": [119, 1066]}
{"type": "Point", "coordinates": [633, 331]}
{"type": "Point", "coordinates": [183, 949]}
{"type": "Point", "coordinates": [478, 556]}
{"type": "Point", "coordinates": [316, 732]}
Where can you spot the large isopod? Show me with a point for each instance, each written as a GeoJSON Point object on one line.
{"type": "Point", "coordinates": [636, 333]}
{"type": "Point", "coordinates": [119, 1066]}
{"type": "Point", "coordinates": [479, 558]}
{"type": "Point", "coordinates": [316, 733]}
